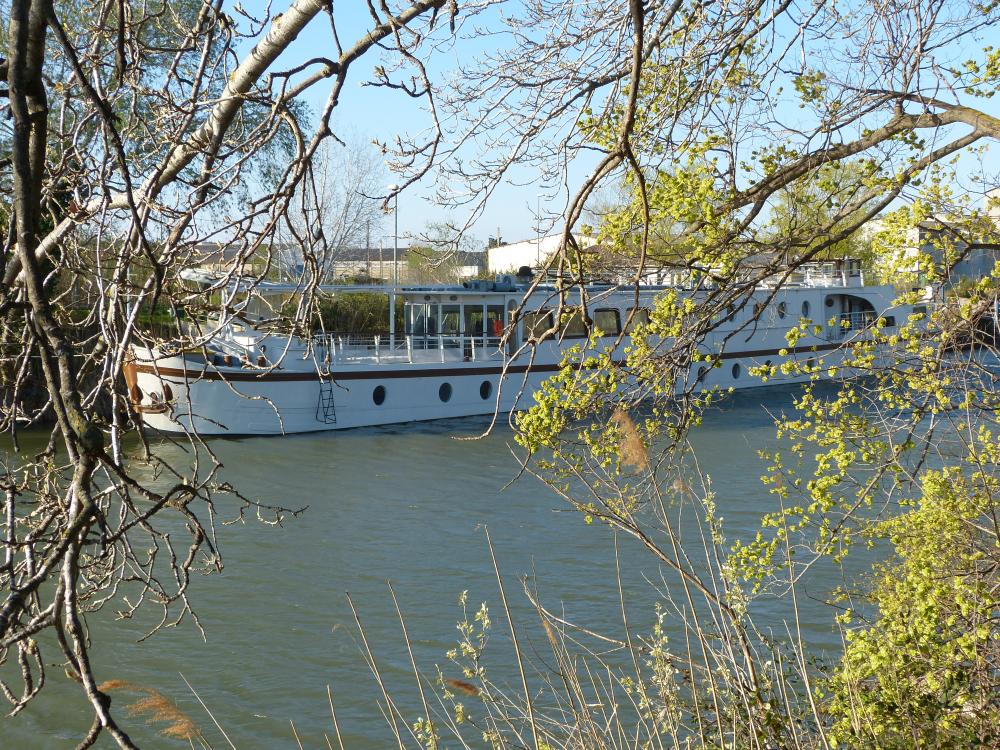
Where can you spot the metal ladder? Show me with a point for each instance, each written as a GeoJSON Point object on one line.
{"type": "Point", "coordinates": [326, 410]}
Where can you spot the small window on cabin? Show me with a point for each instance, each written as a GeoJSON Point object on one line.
{"type": "Point", "coordinates": [805, 308]}
{"type": "Point", "coordinates": [473, 320]}
{"type": "Point", "coordinates": [781, 309]}
{"type": "Point", "coordinates": [640, 317]}
{"type": "Point", "coordinates": [536, 323]}
{"type": "Point", "coordinates": [451, 320]}
{"type": "Point", "coordinates": [419, 319]}
{"type": "Point", "coordinates": [494, 321]}
{"type": "Point", "coordinates": [890, 321]}
{"type": "Point", "coordinates": [573, 327]}
{"type": "Point", "coordinates": [607, 321]}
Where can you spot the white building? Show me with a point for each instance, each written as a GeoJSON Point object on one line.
{"type": "Point", "coordinates": [932, 234]}
{"type": "Point", "coordinates": [532, 253]}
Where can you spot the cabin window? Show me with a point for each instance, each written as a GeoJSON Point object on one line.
{"type": "Point", "coordinates": [451, 320]}
{"type": "Point", "coordinates": [805, 308]}
{"type": "Point", "coordinates": [640, 317]}
{"type": "Point", "coordinates": [536, 323]}
{"type": "Point", "coordinates": [378, 395]}
{"type": "Point", "coordinates": [781, 309]}
{"type": "Point", "coordinates": [573, 327]}
{"type": "Point", "coordinates": [473, 320]}
{"type": "Point", "coordinates": [494, 321]}
{"type": "Point", "coordinates": [890, 321]}
{"type": "Point", "coordinates": [444, 392]}
{"type": "Point", "coordinates": [419, 320]}
{"type": "Point", "coordinates": [736, 370]}
{"type": "Point", "coordinates": [607, 321]}
{"type": "Point", "coordinates": [485, 390]}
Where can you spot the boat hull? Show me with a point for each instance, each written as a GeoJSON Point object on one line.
{"type": "Point", "coordinates": [180, 399]}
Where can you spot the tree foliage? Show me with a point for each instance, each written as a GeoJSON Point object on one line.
{"type": "Point", "coordinates": [147, 130]}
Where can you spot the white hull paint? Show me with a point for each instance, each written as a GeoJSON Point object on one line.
{"type": "Point", "coordinates": [416, 383]}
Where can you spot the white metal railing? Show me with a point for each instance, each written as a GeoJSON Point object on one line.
{"type": "Point", "coordinates": [406, 348]}
{"type": "Point", "coordinates": [831, 274]}
{"type": "Point", "coordinates": [852, 322]}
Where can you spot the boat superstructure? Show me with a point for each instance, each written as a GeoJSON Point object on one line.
{"type": "Point", "coordinates": [452, 358]}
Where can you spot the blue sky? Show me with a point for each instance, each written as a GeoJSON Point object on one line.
{"type": "Point", "coordinates": [377, 113]}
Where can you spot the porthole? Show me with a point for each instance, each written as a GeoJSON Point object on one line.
{"type": "Point", "coordinates": [701, 373]}
{"type": "Point", "coordinates": [444, 392]}
{"type": "Point", "coordinates": [378, 395]}
{"type": "Point", "coordinates": [781, 309]}
{"type": "Point", "coordinates": [805, 308]}
{"type": "Point", "coordinates": [736, 370]}
{"type": "Point", "coordinates": [485, 389]}
{"type": "Point", "coordinates": [810, 364]}
{"type": "Point", "coordinates": [767, 367]}
{"type": "Point", "coordinates": [829, 301]}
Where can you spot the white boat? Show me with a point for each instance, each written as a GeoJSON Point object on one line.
{"type": "Point", "coordinates": [451, 359]}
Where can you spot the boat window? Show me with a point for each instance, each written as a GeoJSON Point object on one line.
{"type": "Point", "coordinates": [640, 317]}
{"type": "Point", "coordinates": [451, 320]}
{"type": "Point", "coordinates": [607, 321]}
{"type": "Point", "coordinates": [485, 390]}
{"type": "Point", "coordinates": [573, 326]}
{"type": "Point", "coordinates": [378, 395]}
{"type": "Point", "coordinates": [736, 370]}
{"type": "Point", "coordinates": [262, 307]}
{"type": "Point", "coordinates": [444, 392]}
{"type": "Point", "coordinates": [473, 320]}
{"type": "Point", "coordinates": [494, 320]}
{"type": "Point", "coordinates": [781, 309]}
{"type": "Point", "coordinates": [805, 308]}
{"type": "Point", "coordinates": [536, 323]}
{"type": "Point", "coordinates": [419, 320]}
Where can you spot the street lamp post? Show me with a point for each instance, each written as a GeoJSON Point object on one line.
{"type": "Point", "coordinates": [538, 230]}
{"type": "Point", "coordinates": [395, 268]}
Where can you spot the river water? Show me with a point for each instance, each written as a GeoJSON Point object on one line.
{"type": "Point", "coordinates": [406, 504]}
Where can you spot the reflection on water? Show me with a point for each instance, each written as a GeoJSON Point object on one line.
{"type": "Point", "coordinates": [399, 503]}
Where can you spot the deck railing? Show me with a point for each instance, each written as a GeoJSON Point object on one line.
{"type": "Point", "coordinates": [406, 348]}
{"type": "Point", "coordinates": [848, 324]}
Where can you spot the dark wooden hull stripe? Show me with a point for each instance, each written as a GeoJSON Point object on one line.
{"type": "Point", "coordinates": [409, 372]}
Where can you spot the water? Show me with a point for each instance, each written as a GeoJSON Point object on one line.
{"type": "Point", "coordinates": [406, 504]}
